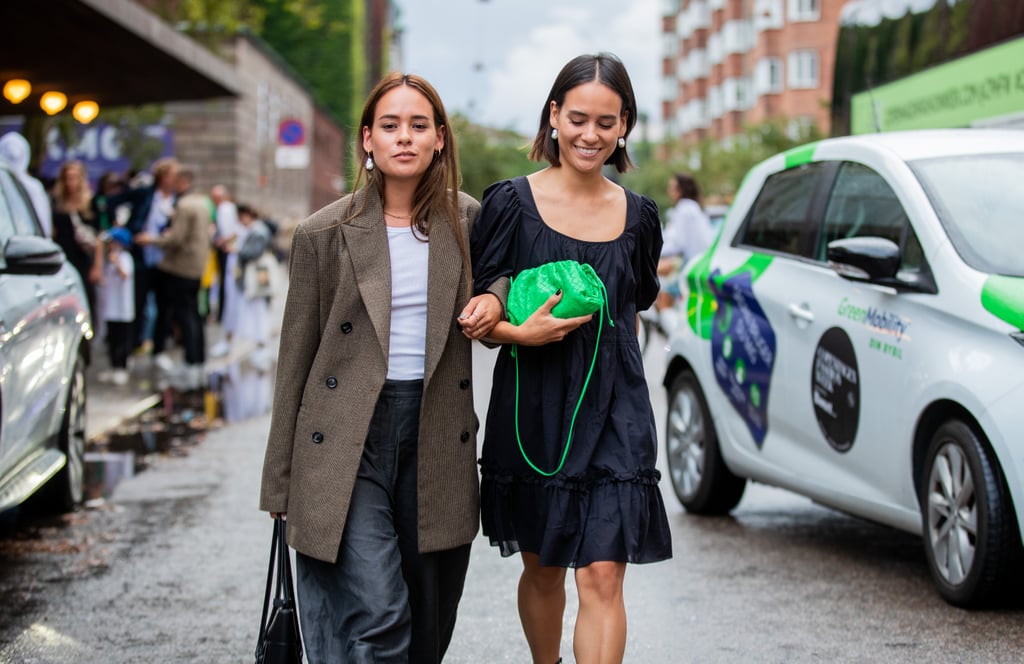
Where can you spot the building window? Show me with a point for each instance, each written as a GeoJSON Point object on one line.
{"type": "Point", "coordinates": [767, 15]}
{"type": "Point", "coordinates": [715, 48]}
{"type": "Point", "coordinates": [804, 10]}
{"type": "Point", "coordinates": [669, 46]}
{"type": "Point", "coordinates": [737, 37]}
{"type": "Point", "coordinates": [803, 69]}
{"type": "Point", "coordinates": [697, 63]}
{"type": "Point", "coordinates": [714, 102]}
{"type": "Point", "coordinates": [700, 14]}
{"type": "Point", "coordinates": [768, 76]}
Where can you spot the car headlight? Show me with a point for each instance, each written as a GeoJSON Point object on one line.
{"type": "Point", "coordinates": [1018, 337]}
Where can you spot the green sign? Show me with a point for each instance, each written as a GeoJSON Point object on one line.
{"type": "Point", "coordinates": [987, 84]}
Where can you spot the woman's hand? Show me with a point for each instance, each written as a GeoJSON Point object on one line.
{"type": "Point", "coordinates": [540, 328]}
{"type": "Point", "coordinates": [480, 315]}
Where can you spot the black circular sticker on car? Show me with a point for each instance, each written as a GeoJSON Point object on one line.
{"type": "Point", "coordinates": [835, 389]}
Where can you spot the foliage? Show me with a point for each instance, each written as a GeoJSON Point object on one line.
{"type": "Point", "coordinates": [136, 145]}
{"type": "Point", "coordinates": [489, 155]}
{"type": "Point", "coordinates": [318, 38]}
{"type": "Point", "coordinates": [720, 166]}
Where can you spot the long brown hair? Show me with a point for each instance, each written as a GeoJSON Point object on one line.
{"type": "Point", "coordinates": [67, 201]}
{"type": "Point", "coordinates": [437, 194]}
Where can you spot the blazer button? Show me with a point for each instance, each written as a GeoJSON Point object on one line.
{"type": "Point", "coordinates": [464, 437]}
{"type": "Point", "coordinates": [318, 437]}
{"type": "Point", "coordinates": [346, 327]}
{"type": "Point", "coordinates": [464, 384]}
{"type": "Point", "coordinates": [332, 382]}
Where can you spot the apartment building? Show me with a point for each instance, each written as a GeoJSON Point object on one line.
{"type": "Point", "coordinates": [730, 63]}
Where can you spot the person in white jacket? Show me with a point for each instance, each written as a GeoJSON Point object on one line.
{"type": "Point", "coordinates": [687, 233]}
{"type": "Point", "coordinates": [16, 153]}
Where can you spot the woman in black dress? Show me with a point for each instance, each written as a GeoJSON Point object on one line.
{"type": "Point", "coordinates": [602, 508]}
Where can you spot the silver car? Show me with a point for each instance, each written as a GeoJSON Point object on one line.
{"type": "Point", "coordinates": [45, 333]}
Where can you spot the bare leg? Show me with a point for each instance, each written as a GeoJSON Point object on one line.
{"type": "Point", "coordinates": [600, 636]}
{"type": "Point", "coordinates": [541, 606]}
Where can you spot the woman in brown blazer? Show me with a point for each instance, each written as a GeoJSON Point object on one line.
{"type": "Point", "coordinates": [372, 444]}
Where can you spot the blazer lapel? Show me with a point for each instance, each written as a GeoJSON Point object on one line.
{"type": "Point", "coordinates": [442, 290]}
{"type": "Point", "coordinates": [367, 242]}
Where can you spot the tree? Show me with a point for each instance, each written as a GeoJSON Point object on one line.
{"type": "Point", "coordinates": [720, 166]}
{"type": "Point", "coordinates": [489, 155]}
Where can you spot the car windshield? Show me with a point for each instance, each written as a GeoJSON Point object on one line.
{"type": "Point", "coordinates": [980, 202]}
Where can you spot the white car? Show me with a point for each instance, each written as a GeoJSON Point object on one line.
{"type": "Point", "coordinates": [856, 335]}
{"type": "Point", "coordinates": [45, 333]}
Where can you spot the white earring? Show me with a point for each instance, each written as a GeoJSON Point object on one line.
{"type": "Point", "coordinates": [554, 134]}
{"type": "Point", "coordinates": [622, 141]}
{"type": "Point", "coordinates": [369, 162]}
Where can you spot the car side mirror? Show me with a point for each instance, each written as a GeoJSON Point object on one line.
{"type": "Point", "coordinates": [864, 258]}
{"type": "Point", "coordinates": [31, 254]}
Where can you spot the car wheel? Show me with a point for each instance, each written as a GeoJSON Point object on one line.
{"type": "Point", "coordinates": [64, 490]}
{"type": "Point", "coordinates": [700, 478]}
{"type": "Point", "coordinates": [968, 521]}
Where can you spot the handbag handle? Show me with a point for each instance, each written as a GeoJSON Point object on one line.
{"type": "Point", "coordinates": [284, 593]}
{"type": "Point", "coordinates": [274, 548]}
{"type": "Point", "coordinates": [583, 391]}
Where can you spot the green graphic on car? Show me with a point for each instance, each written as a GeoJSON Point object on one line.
{"type": "Point", "coordinates": [1003, 297]}
{"type": "Point", "coordinates": [724, 310]}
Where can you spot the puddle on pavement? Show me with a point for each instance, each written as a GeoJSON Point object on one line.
{"type": "Point", "coordinates": [174, 426]}
{"type": "Point", "coordinates": [171, 428]}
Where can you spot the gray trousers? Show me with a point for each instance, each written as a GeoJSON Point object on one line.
{"type": "Point", "coordinates": [382, 601]}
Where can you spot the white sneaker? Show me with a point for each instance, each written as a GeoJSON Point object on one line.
{"type": "Point", "coordinates": [105, 376]}
{"type": "Point", "coordinates": [164, 362]}
{"type": "Point", "coordinates": [220, 349]}
{"type": "Point", "coordinates": [119, 377]}
{"type": "Point", "coordinates": [195, 376]}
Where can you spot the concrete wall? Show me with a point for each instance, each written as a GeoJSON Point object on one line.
{"type": "Point", "coordinates": [234, 141]}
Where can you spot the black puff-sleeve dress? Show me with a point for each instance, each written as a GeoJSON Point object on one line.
{"type": "Point", "coordinates": [604, 504]}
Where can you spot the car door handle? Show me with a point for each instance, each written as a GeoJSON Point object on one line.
{"type": "Point", "coordinates": [801, 313]}
{"type": "Point", "coordinates": [40, 293]}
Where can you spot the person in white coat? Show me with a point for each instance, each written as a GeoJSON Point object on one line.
{"type": "Point", "coordinates": [16, 153]}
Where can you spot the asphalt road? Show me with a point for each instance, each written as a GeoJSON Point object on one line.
{"type": "Point", "coordinates": [173, 567]}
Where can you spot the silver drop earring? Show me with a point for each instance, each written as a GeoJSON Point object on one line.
{"type": "Point", "coordinates": [554, 134]}
{"type": "Point", "coordinates": [369, 162]}
{"type": "Point", "coordinates": [622, 141]}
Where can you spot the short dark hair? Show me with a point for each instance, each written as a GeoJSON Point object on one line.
{"type": "Point", "coordinates": [605, 68]}
{"type": "Point", "coordinates": [687, 185]}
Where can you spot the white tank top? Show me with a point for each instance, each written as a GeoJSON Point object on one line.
{"type": "Point", "coordinates": [409, 261]}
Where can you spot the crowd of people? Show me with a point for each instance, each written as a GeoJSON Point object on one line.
{"type": "Point", "coordinates": [157, 259]}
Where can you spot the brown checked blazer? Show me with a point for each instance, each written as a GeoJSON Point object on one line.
{"type": "Point", "coordinates": [332, 365]}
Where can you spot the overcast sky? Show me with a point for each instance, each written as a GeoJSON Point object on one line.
{"type": "Point", "coordinates": [495, 60]}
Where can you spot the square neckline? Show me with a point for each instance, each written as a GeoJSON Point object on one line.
{"type": "Point", "coordinates": [522, 185]}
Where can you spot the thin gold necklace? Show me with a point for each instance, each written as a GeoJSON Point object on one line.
{"type": "Point", "coordinates": [397, 216]}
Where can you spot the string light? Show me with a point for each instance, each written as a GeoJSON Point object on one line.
{"type": "Point", "coordinates": [53, 102]}
{"type": "Point", "coordinates": [85, 111]}
{"type": "Point", "coordinates": [16, 90]}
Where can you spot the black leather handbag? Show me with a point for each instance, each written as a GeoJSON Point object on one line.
{"type": "Point", "coordinates": [279, 640]}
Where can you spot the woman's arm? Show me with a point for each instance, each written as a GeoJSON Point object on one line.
{"type": "Point", "coordinates": [539, 329]}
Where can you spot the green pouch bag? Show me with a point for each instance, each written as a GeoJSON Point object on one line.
{"type": "Point", "coordinates": [582, 290]}
{"type": "Point", "coordinates": [583, 293]}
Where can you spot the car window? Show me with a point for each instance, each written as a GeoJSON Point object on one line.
{"type": "Point", "coordinates": [20, 207]}
{"type": "Point", "coordinates": [980, 202]}
{"type": "Point", "coordinates": [778, 219]}
{"type": "Point", "coordinates": [863, 204]}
